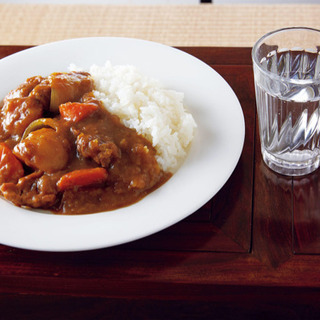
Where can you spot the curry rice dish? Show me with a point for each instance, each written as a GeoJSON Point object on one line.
{"type": "Point", "coordinates": [80, 142]}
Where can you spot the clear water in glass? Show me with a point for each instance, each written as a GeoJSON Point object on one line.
{"type": "Point", "coordinates": [287, 95]}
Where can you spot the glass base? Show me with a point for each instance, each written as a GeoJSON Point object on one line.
{"type": "Point", "coordinates": [291, 168]}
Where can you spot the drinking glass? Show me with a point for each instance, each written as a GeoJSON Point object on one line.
{"type": "Point", "coordinates": [286, 68]}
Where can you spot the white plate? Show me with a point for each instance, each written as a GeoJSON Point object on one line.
{"type": "Point", "coordinates": [213, 156]}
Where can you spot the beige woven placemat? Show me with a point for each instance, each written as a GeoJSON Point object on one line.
{"type": "Point", "coordinates": [183, 25]}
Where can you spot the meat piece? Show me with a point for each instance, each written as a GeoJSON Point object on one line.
{"type": "Point", "coordinates": [24, 105]}
{"type": "Point", "coordinates": [25, 88]}
{"type": "Point", "coordinates": [41, 93]}
{"type": "Point", "coordinates": [102, 151]}
{"type": "Point", "coordinates": [68, 87]}
{"type": "Point", "coordinates": [44, 150]}
{"type": "Point", "coordinates": [35, 190]}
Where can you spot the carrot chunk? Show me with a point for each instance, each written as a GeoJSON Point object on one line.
{"type": "Point", "coordinates": [76, 111]}
{"type": "Point", "coordinates": [11, 169]}
{"type": "Point", "coordinates": [82, 178]}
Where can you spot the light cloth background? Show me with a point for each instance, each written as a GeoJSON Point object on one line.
{"type": "Point", "coordinates": [176, 25]}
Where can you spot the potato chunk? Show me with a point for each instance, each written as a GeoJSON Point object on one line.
{"type": "Point", "coordinates": [43, 149]}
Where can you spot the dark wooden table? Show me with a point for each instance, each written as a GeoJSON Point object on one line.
{"type": "Point", "coordinates": [252, 252]}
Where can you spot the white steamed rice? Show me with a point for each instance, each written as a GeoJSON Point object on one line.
{"type": "Point", "coordinates": [144, 105]}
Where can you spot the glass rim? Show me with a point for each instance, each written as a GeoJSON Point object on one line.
{"type": "Point", "coordinates": [274, 75]}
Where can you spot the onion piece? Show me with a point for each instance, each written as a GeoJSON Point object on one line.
{"type": "Point", "coordinates": [39, 124]}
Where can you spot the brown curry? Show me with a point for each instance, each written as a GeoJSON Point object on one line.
{"type": "Point", "coordinates": [61, 150]}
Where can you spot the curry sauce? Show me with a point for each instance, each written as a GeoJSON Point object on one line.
{"type": "Point", "coordinates": [62, 150]}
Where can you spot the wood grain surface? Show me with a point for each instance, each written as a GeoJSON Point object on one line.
{"type": "Point", "coordinates": [251, 251]}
